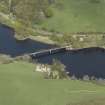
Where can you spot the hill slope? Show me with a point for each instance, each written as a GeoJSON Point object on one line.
{"type": "Point", "coordinates": [19, 85]}
{"type": "Point", "coordinates": [77, 16]}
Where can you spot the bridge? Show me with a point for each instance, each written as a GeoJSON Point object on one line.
{"type": "Point", "coordinates": [64, 49]}
{"type": "Point", "coordinates": [50, 51]}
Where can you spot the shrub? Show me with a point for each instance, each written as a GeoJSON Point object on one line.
{"type": "Point", "coordinates": [58, 70]}
{"type": "Point", "coordinates": [24, 58]}
{"type": "Point", "coordinates": [93, 78]}
{"type": "Point", "coordinates": [48, 12]}
{"type": "Point", "coordinates": [86, 78]}
{"type": "Point", "coordinates": [73, 77]}
{"type": "Point", "coordinates": [5, 59]}
{"type": "Point", "coordinates": [100, 81]}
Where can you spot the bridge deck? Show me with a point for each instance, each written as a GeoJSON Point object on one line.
{"type": "Point", "coordinates": [49, 51]}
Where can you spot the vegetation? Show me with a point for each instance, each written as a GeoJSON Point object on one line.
{"type": "Point", "coordinates": [80, 40]}
{"type": "Point", "coordinates": [56, 18]}
{"type": "Point", "coordinates": [5, 59]}
{"type": "Point", "coordinates": [19, 14]}
{"type": "Point", "coordinates": [77, 16]}
{"type": "Point", "coordinates": [28, 11]}
{"type": "Point", "coordinates": [58, 71]}
{"type": "Point", "coordinates": [61, 20]}
{"type": "Point", "coordinates": [19, 85]}
{"type": "Point", "coordinates": [65, 16]}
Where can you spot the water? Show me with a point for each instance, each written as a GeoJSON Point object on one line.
{"type": "Point", "coordinates": [81, 63]}
{"type": "Point", "coordinates": [9, 45]}
{"type": "Point", "coordinates": [89, 61]}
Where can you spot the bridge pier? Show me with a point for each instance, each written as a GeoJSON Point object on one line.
{"type": "Point", "coordinates": [50, 51]}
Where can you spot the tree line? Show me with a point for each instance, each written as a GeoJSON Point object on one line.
{"type": "Point", "coordinates": [28, 11]}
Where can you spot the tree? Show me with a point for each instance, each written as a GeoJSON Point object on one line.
{"type": "Point", "coordinates": [57, 70]}
{"type": "Point", "coordinates": [28, 10]}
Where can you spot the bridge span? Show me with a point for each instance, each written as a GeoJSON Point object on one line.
{"type": "Point", "coordinates": [49, 51]}
{"type": "Point", "coordinates": [64, 49]}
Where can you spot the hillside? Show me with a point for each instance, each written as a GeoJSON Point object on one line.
{"type": "Point", "coordinates": [77, 24]}
{"type": "Point", "coordinates": [19, 85]}
{"type": "Point", "coordinates": [77, 16]}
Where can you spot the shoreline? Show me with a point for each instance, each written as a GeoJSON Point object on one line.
{"type": "Point", "coordinates": [45, 36]}
{"type": "Point", "coordinates": [39, 38]}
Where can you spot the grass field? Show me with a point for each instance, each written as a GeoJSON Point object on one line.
{"type": "Point", "coordinates": [19, 85]}
{"type": "Point", "coordinates": [77, 16]}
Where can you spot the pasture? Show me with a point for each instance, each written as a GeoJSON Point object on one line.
{"type": "Point", "coordinates": [77, 16]}
{"type": "Point", "coordinates": [20, 85]}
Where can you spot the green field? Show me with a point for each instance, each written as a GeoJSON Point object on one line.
{"type": "Point", "coordinates": [19, 85]}
{"type": "Point", "coordinates": [77, 16]}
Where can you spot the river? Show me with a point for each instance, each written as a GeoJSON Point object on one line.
{"type": "Point", "coordinates": [13, 47]}
{"type": "Point", "coordinates": [86, 62]}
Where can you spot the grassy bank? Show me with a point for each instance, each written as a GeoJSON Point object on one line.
{"type": "Point", "coordinates": [77, 16]}
{"type": "Point", "coordinates": [21, 31]}
{"type": "Point", "coordinates": [80, 41]}
{"type": "Point", "coordinates": [69, 16]}
{"type": "Point", "coordinates": [19, 85]}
